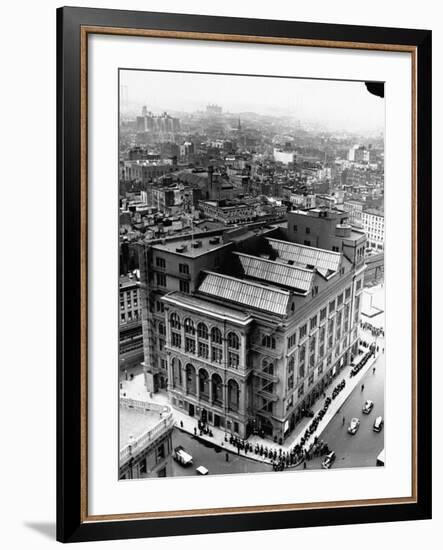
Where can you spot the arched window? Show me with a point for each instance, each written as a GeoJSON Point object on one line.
{"type": "Point", "coordinates": [268, 341]}
{"type": "Point", "coordinates": [202, 331]}
{"type": "Point", "coordinates": [233, 340]}
{"type": "Point", "coordinates": [233, 395]}
{"type": "Point", "coordinates": [191, 385]}
{"type": "Point", "coordinates": [175, 321]}
{"type": "Point", "coordinates": [216, 336]}
{"type": "Point", "coordinates": [217, 389]}
{"type": "Point", "coordinates": [176, 373]}
{"type": "Point", "coordinates": [268, 367]}
{"type": "Point", "coordinates": [189, 326]}
{"type": "Point", "coordinates": [203, 381]}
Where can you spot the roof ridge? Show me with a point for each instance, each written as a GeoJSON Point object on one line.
{"type": "Point", "coordinates": [304, 246]}
{"type": "Point", "coordinates": [258, 258]}
{"type": "Point", "coordinates": [249, 282]}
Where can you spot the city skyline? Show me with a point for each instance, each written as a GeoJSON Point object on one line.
{"type": "Point", "coordinates": [251, 299]}
{"type": "Point", "coordinates": [318, 102]}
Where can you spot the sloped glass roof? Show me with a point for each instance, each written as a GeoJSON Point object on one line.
{"type": "Point", "coordinates": [290, 276]}
{"type": "Point", "coordinates": [270, 299]}
{"type": "Point", "coordinates": [324, 261]}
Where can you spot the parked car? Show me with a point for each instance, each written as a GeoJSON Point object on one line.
{"type": "Point", "coordinates": [328, 460]}
{"type": "Point", "coordinates": [201, 470]}
{"type": "Point", "coordinates": [353, 426]}
{"type": "Point", "coordinates": [368, 406]}
{"type": "Point", "coordinates": [378, 424]}
{"type": "Point", "coordinates": [181, 456]}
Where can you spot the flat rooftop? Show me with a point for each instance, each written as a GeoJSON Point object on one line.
{"type": "Point", "coordinates": [128, 282]}
{"type": "Point", "coordinates": [135, 423]}
{"type": "Point", "coordinates": [206, 244]}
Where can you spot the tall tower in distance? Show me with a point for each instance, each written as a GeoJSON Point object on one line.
{"type": "Point", "coordinates": [144, 111]}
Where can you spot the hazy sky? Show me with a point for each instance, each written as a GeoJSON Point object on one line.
{"type": "Point", "coordinates": [337, 104]}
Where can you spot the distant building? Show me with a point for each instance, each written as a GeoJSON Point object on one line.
{"type": "Point", "coordinates": [145, 171]}
{"type": "Point", "coordinates": [187, 151]}
{"type": "Point", "coordinates": [303, 201]}
{"type": "Point", "coordinates": [178, 197]}
{"type": "Point", "coordinates": [228, 212]}
{"type": "Point", "coordinates": [328, 201]}
{"type": "Point", "coordinates": [213, 109]}
{"type": "Point", "coordinates": [354, 209]}
{"type": "Point", "coordinates": [283, 156]}
{"type": "Point", "coordinates": [359, 153]}
{"type": "Point", "coordinates": [145, 439]}
{"type": "Point", "coordinates": [373, 222]}
{"type": "Point", "coordinates": [162, 124]}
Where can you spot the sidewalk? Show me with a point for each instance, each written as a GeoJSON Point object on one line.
{"type": "Point", "coordinates": [135, 389]}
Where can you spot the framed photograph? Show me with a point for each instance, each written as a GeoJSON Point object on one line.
{"type": "Point", "coordinates": [244, 274]}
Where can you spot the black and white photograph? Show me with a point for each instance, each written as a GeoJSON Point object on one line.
{"type": "Point", "coordinates": [251, 274]}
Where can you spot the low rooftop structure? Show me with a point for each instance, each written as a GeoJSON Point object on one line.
{"type": "Point", "coordinates": [141, 423]}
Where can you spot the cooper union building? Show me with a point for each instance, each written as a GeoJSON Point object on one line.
{"type": "Point", "coordinates": [244, 328]}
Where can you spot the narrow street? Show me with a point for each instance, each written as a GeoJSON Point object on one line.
{"type": "Point", "coordinates": [361, 449]}
{"type": "Point", "coordinates": [212, 457]}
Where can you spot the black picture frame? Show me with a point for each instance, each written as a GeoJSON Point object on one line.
{"type": "Point", "coordinates": [72, 526]}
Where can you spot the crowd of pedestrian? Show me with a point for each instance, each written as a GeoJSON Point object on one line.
{"type": "Point", "coordinates": [299, 453]}
{"type": "Point", "coordinates": [357, 368]}
{"type": "Point", "coordinates": [375, 331]}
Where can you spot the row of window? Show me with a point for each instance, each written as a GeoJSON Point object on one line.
{"type": "Point", "coordinates": [203, 332]}
{"type": "Point", "coordinates": [129, 316]}
{"type": "Point", "coordinates": [161, 264]}
{"type": "Point", "coordinates": [201, 349]}
{"type": "Point", "coordinates": [303, 330]}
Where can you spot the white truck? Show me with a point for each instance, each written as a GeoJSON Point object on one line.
{"type": "Point", "coordinates": [182, 457]}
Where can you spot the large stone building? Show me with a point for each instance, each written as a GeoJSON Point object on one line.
{"type": "Point", "coordinates": [258, 324]}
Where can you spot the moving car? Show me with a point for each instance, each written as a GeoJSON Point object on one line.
{"type": "Point", "coordinates": [353, 426]}
{"type": "Point", "coordinates": [201, 470]}
{"type": "Point", "coordinates": [368, 406]}
{"type": "Point", "coordinates": [328, 460]}
{"type": "Point", "coordinates": [181, 456]}
{"type": "Point", "coordinates": [378, 424]}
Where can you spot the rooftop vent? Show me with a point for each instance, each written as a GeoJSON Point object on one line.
{"type": "Point", "coordinates": [180, 248]}
{"type": "Point", "coordinates": [197, 244]}
{"type": "Point", "coordinates": [214, 240]}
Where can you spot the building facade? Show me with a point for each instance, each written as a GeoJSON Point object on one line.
{"type": "Point", "coordinates": [170, 265]}
{"type": "Point", "coordinates": [373, 222]}
{"type": "Point", "coordinates": [252, 339]}
{"type": "Point", "coordinates": [228, 212]}
{"type": "Point", "coordinates": [130, 328]}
